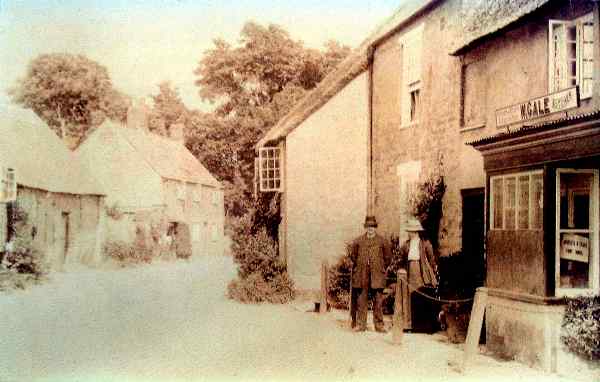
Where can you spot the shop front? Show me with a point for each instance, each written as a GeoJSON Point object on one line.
{"type": "Point", "coordinates": [542, 232]}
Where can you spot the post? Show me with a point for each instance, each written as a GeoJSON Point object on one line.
{"type": "Point", "coordinates": [324, 286]}
{"type": "Point", "coordinates": [351, 307]}
{"type": "Point", "coordinates": [475, 323]}
{"type": "Point", "coordinates": [398, 323]}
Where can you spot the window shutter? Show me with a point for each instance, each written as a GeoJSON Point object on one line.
{"type": "Point", "coordinates": [557, 55]}
{"type": "Point", "coordinates": [585, 59]}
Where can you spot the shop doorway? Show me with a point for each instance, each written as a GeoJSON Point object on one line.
{"type": "Point", "coordinates": [473, 232]}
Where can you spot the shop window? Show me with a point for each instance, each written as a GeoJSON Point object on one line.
{"type": "Point", "coordinates": [577, 231]}
{"type": "Point", "coordinates": [516, 201]}
{"type": "Point", "coordinates": [571, 54]}
{"type": "Point", "coordinates": [269, 172]}
{"type": "Point", "coordinates": [411, 76]}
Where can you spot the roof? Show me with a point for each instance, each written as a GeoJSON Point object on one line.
{"type": "Point", "coordinates": [481, 18]}
{"type": "Point", "coordinates": [538, 127]}
{"type": "Point", "coordinates": [169, 158]}
{"type": "Point", "coordinates": [347, 70]}
{"type": "Point", "coordinates": [40, 158]}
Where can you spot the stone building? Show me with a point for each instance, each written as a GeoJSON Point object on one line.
{"type": "Point", "coordinates": [158, 193]}
{"type": "Point", "coordinates": [448, 81]}
{"type": "Point", "coordinates": [63, 202]}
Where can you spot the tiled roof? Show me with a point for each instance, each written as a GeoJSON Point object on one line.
{"type": "Point", "coordinates": [40, 158]}
{"type": "Point", "coordinates": [347, 70]}
{"type": "Point", "coordinates": [538, 127]}
{"type": "Point", "coordinates": [169, 158]}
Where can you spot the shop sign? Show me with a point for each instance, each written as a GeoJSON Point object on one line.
{"type": "Point", "coordinates": [538, 107]}
{"type": "Point", "coordinates": [574, 247]}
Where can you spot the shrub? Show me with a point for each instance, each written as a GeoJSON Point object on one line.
{"type": "Point", "coordinates": [262, 276]}
{"type": "Point", "coordinates": [24, 258]}
{"type": "Point", "coordinates": [338, 288]}
{"type": "Point", "coordinates": [127, 254]}
{"type": "Point", "coordinates": [581, 327]}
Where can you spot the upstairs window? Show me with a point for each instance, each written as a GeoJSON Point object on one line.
{"type": "Point", "coordinates": [215, 197]}
{"type": "Point", "coordinates": [197, 193]}
{"type": "Point", "coordinates": [269, 171]}
{"type": "Point", "coordinates": [411, 76]}
{"type": "Point", "coordinates": [180, 190]}
{"type": "Point", "coordinates": [571, 55]}
{"type": "Point", "coordinates": [516, 201]}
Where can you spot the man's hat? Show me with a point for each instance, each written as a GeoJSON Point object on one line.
{"type": "Point", "coordinates": [370, 221]}
{"type": "Point", "coordinates": [414, 226]}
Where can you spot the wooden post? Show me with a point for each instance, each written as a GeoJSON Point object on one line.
{"type": "Point", "coordinates": [398, 323]}
{"type": "Point", "coordinates": [475, 324]}
{"type": "Point", "coordinates": [324, 286]}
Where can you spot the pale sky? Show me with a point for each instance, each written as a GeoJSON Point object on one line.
{"type": "Point", "coordinates": [143, 43]}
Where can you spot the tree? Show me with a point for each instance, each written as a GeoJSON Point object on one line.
{"type": "Point", "coordinates": [71, 93]}
{"type": "Point", "coordinates": [168, 109]}
{"type": "Point", "coordinates": [252, 85]}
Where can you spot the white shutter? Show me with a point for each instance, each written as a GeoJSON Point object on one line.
{"type": "Point", "coordinates": [585, 52]}
{"type": "Point", "coordinates": [557, 55]}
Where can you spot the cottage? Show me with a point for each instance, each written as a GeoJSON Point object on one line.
{"type": "Point", "coordinates": [63, 202]}
{"type": "Point", "coordinates": [157, 191]}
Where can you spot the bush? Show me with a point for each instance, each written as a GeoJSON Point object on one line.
{"type": "Point", "coordinates": [338, 288]}
{"type": "Point", "coordinates": [127, 254]}
{"type": "Point", "coordinates": [581, 327]}
{"type": "Point", "coordinates": [24, 258]}
{"type": "Point", "coordinates": [262, 276]}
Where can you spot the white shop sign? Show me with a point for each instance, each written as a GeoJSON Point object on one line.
{"type": "Point", "coordinates": [538, 107]}
{"type": "Point", "coordinates": [575, 247]}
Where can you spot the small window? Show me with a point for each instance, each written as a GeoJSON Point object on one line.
{"type": "Point", "coordinates": [215, 197]}
{"type": "Point", "coordinates": [270, 169]}
{"type": "Point", "coordinates": [516, 201]}
{"type": "Point", "coordinates": [197, 193]}
{"type": "Point", "coordinates": [8, 188]}
{"type": "Point", "coordinates": [180, 190]}
{"type": "Point", "coordinates": [195, 232]}
{"type": "Point", "coordinates": [571, 55]}
{"type": "Point", "coordinates": [214, 234]}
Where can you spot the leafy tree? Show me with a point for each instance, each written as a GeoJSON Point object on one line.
{"type": "Point", "coordinates": [252, 84]}
{"type": "Point", "coordinates": [168, 109]}
{"type": "Point", "coordinates": [71, 93]}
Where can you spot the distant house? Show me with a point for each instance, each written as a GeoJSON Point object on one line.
{"type": "Point", "coordinates": [63, 202]}
{"type": "Point", "coordinates": [157, 191]}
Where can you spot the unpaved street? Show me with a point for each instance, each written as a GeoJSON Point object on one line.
{"type": "Point", "coordinates": [172, 322]}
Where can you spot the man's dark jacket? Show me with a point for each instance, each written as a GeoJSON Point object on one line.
{"type": "Point", "coordinates": [369, 255]}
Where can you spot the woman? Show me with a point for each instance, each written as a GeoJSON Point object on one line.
{"type": "Point", "coordinates": [417, 258]}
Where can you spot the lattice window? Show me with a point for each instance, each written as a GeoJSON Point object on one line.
{"type": "Point", "coordinates": [517, 201]}
{"type": "Point", "coordinates": [270, 169]}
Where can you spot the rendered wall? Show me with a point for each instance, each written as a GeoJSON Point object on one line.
{"type": "Point", "coordinates": [326, 183]}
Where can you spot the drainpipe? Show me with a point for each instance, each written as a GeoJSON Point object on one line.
{"type": "Point", "coordinates": [370, 188]}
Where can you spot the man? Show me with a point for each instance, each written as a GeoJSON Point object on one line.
{"type": "Point", "coordinates": [370, 256]}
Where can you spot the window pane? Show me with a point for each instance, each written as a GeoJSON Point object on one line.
{"type": "Point", "coordinates": [523, 202]}
{"type": "Point", "coordinates": [575, 190]}
{"type": "Point", "coordinates": [537, 201]}
{"type": "Point", "coordinates": [511, 200]}
{"type": "Point", "coordinates": [497, 198]}
{"type": "Point", "coordinates": [574, 260]}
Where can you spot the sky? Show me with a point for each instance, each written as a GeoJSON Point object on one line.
{"type": "Point", "coordinates": [143, 43]}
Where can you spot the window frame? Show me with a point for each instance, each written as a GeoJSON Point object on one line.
{"type": "Point", "coordinates": [593, 233]}
{"type": "Point", "coordinates": [268, 183]}
{"type": "Point", "coordinates": [530, 205]}
{"type": "Point", "coordinates": [580, 59]}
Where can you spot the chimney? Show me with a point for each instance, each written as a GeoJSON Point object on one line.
{"type": "Point", "coordinates": [137, 115]}
{"type": "Point", "coordinates": [176, 132]}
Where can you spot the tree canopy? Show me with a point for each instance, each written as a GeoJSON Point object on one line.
{"type": "Point", "coordinates": [252, 85]}
{"type": "Point", "coordinates": [71, 93]}
{"type": "Point", "coordinates": [168, 109]}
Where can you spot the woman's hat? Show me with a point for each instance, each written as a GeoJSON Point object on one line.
{"type": "Point", "coordinates": [414, 226]}
{"type": "Point", "coordinates": [370, 221]}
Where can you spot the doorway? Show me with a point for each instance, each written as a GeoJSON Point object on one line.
{"type": "Point", "coordinates": [473, 232]}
